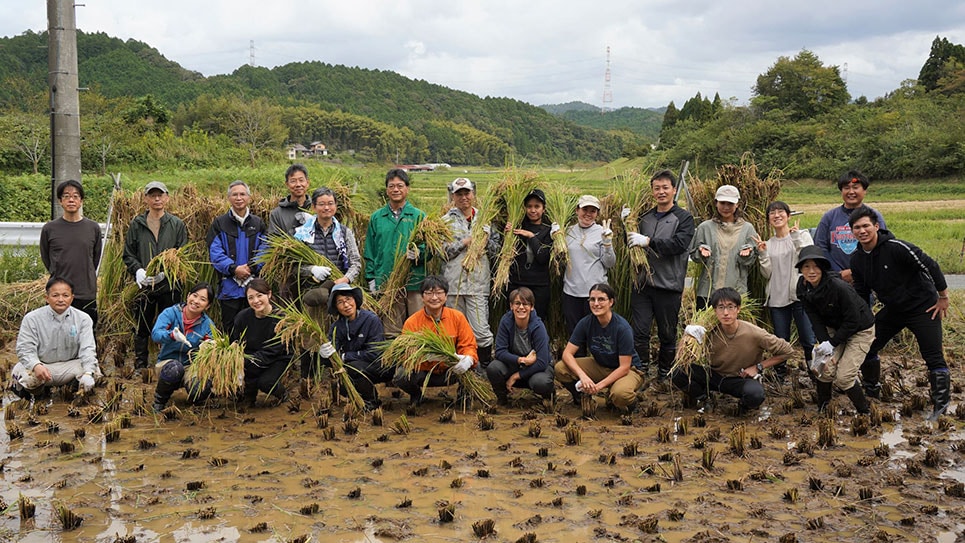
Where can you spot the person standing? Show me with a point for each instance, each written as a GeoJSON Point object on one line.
{"type": "Point", "coordinates": [150, 234]}
{"type": "Point", "coordinates": [293, 210]}
{"type": "Point", "coordinates": [389, 234]}
{"type": "Point", "coordinates": [833, 234]}
{"type": "Point", "coordinates": [469, 290]}
{"type": "Point", "coordinates": [725, 246]}
{"type": "Point", "coordinates": [234, 240]}
{"type": "Point", "coordinates": [777, 257]}
{"type": "Point", "coordinates": [911, 287]}
{"type": "Point", "coordinates": [531, 266]}
{"type": "Point", "coordinates": [70, 248]}
{"type": "Point", "coordinates": [665, 231]}
{"type": "Point", "coordinates": [589, 248]}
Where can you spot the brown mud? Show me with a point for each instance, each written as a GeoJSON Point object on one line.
{"type": "Point", "coordinates": [223, 473]}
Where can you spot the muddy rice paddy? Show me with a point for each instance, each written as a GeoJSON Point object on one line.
{"type": "Point", "coordinates": [309, 471]}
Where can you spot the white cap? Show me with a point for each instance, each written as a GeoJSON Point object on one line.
{"type": "Point", "coordinates": [588, 200]}
{"type": "Point", "coordinates": [460, 183]}
{"type": "Point", "coordinates": [728, 193]}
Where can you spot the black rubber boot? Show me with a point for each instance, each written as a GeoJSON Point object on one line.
{"type": "Point", "coordinates": [871, 376]}
{"type": "Point", "coordinates": [140, 352]}
{"type": "Point", "coordinates": [941, 392]}
{"type": "Point", "coordinates": [643, 351]}
{"type": "Point", "coordinates": [162, 393]}
{"type": "Point", "coordinates": [485, 356]}
{"type": "Point", "coordinates": [824, 395]}
{"type": "Point", "coordinates": [664, 362]}
{"type": "Point", "coordinates": [250, 395]}
{"type": "Point", "coordinates": [856, 395]}
{"type": "Point", "coordinates": [577, 396]}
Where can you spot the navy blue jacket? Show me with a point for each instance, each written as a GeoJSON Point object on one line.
{"type": "Point", "coordinates": [538, 338]}
{"type": "Point", "coordinates": [230, 245]}
{"type": "Point", "coordinates": [358, 339]}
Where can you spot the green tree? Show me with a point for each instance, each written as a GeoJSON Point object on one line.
{"type": "Point", "coordinates": [256, 125]}
{"type": "Point", "coordinates": [669, 117]}
{"type": "Point", "coordinates": [936, 66]}
{"type": "Point", "coordinates": [802, 86]}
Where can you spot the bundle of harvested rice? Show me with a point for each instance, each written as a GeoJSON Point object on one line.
{"type": "Point", "coordinates": [410, 350]}
{"type": "Point", "coordinates": [487, 212]}
{"type": "Point", "coordinates": [220, 362]}
{"type": "Point", "coordinates": [560, 208]}
{"type": "Point", "coordinates": [510, 193]}
{"type": "Point", "coordinates": [16, 300]}
{"type": "Point", "coordinates": [691, 352]}
{"type": "Point", "coordinates": [180, 268]}
{"type": "Point", "coordinates": [430, 235]}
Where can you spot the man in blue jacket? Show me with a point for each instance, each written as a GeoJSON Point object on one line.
{"type": "Point", "coordinates": [234, 240]}
{"type": "Point", "coordinates": [912, 288]}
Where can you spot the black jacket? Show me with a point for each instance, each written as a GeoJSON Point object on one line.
{"type": "Point", "coordinates": [667, 254]}
{"type": "Point", "coordinates": [900, 274]}
{"type": "Point", "coordinates": [834, 304]}
{"type": "Point", "coordinates": [532, 263]}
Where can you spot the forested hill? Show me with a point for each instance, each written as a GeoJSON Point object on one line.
{"type": "Point", "coordinates": [640, 121]}
{"type": "Point", "coordinates": [115, 68]}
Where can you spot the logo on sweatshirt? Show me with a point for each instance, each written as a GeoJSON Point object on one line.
{"type": "Point", "coordinates": [844, 239]}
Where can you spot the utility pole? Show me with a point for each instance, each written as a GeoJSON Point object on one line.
{"type": "Point", "coordinates": [64, 100]}
{"type": "Point", "coordinates": [607, 92]}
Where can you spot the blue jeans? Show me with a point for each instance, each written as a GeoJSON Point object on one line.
{"type": "Point", "coordinates": [781, 318]}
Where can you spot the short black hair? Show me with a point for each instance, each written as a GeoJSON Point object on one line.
{"type": "Point", "coordinates": [323, 191]}
{"type": "Point", "coordinates": [205, 287]}
{"type": "Point", "coordinates": [605, 289]}
{"type": "Point", "coordinates": [777, 204]}
{"type": "Point", "coordinates": [725, 294]}
{"type": "Point", "coordinates": [59, 281]}
{"type": "Point", "coordinates": [432, 282]}
{"type": "Point", "coordinates": [295, 168]}
{"type": "Point", "coordinates": [397, 172]}
{"type": "Point", "coordinates": [851, 176]}
{"type": "Point", "coordinates": [70, 183]}
{"type": "Point", "coordinates": [862, 212]}
{"type": "Point", "coordinates": [664, 174]}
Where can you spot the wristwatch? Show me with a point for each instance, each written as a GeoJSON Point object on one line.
{"type": "Point", "coordinates": [760, 368]}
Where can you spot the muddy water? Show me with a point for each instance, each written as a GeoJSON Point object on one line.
{"type": "Point", "coordinates": [272, 465]}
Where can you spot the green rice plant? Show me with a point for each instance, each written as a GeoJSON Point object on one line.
{"type": "Point", "coordinates": [300, 331]}
{"type": "Point", "coordinates": [561, 209]}
{"type": "Point", "coordinates": [220, 362]}
{"type": "Point", "coordinates": [434, 349]}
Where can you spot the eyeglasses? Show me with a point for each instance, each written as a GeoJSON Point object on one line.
{"type": "Point", "coordinates": [727, 307]}
{"type": "Point", "coordinates": [598, 300]}
{"type": "Point", "coordinates": [395, 186]}
{"type": "Point", "coordinates": [66, 196]}
{"type": "Point", "coordinates": [521, 304]}
{"type": "Point", "coordinates": [345, 300]}
{"type": "Point", "coordinates": [434, 293]}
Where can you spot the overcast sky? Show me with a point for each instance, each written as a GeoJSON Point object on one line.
{"type": "Point", "coordinates": [537, 51]}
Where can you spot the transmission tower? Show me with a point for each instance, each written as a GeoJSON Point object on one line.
{"type": "Point", "coordinates": [251, 53]}
{"type": "Point", "coordinates": [845, 73]}
{"type": "Point", "coordinates": [607, 92]}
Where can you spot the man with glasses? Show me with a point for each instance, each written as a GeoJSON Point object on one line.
{"type": "Point", "coordinates": [389, 234]}
{"type": "Point", "coordinates": [70, 248]}
{"type": "Point", "coordinates": [435, 315]}
{"type": "Point", "coordinates": [150, 234]}
{"type": "Point", "coordinates": [735, 350]}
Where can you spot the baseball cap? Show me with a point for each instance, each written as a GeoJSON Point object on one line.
{"type": "Point", "coordinates": [460, 183]}
{"type": "Point", "coordinates": [536, 193]}
{"type": "Point", "coordinates": [156, 185]}
{"type": "Point", "coordinates": [588, 200]}
{"type": "Point", "coordinates": [728, 193]}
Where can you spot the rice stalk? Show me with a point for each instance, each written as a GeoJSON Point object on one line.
{"type": "Point", "coordinates": [220, 362]}
{"type": "Point", "coordinates": [430, 235]}
{"type": "Point", "coordinates": [16, 300]}
{"type": "Point", "coordinates": [487, 212]}
{"type": "Point", "coordinates": [691, 352]}
{"type": "Point", "coordinates": [561, 209]}
{"type": "Point", "coordinates": [512, 191]}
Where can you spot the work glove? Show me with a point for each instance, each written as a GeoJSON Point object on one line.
{"type": "Point", "coordinates": [140, 277]}
{"type": "Point", "coordinates": [86, 382]}
{"type": "Point", "coordinates": [636, 239]}
{"type": "Point", "coordinates": [461, 367]}
{"type": "Point", "coordinates": [412, 253]}
{"type": "Point", "coordinates": [624, 213]}
{"type": "Point", "coordinates": [28, 380]}
{"type": "Point", "coordinates": [372, 287]}
{"type": "Point", "coordinates": [320, 273]}
{"type": "Point", "coordinates": [607, 234]}
{"type": "Point", "coordinates": [177, 335]}
{"type": "Point", "coordinates": [326, 350]}
{"type": "Point", "coordinates": [487, 229]}
{"type": "Point", "coordinates": [554, 228]}
{"type": "Point", "coordinates": [823, 350]}
{"type": "Point", "coordinates": [696, 331]}
{"type": "Point", "coordinates": [579, 384]}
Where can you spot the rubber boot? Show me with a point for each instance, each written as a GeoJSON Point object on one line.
{"type": "Point", "coordinates": [664, 362]}
{"type": "Point", "coordinates": [824, 395]}
{"type": "Point", "coordinates": [643, 351]}
{"type": "Point", "coordinates": [941, 392]}
{"type": "Point", "coordinates": [485, 356]}
{"type": "Point", "coordinates": [250, 395]}
{"type": "Point", "coordinates": [871, 376]}
{"type": "Point", "coordinates": [856, 395]}
{"type": "Point", "coordinates": [168, 381]}
{"type": "Point", "coordinates": [140, 352]}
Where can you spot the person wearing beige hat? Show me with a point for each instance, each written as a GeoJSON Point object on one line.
{"type": "Point", "coordinates": [590, 252]}
{"type": "Point", "coordinates": [725, 246]}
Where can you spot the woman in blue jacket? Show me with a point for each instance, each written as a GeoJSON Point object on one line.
{"type": "Point", "coordinates": [522, 357]}
{"type": "Point", "coordinates": [179, 330]}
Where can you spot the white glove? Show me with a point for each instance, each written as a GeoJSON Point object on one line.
{"type": "Point", "coordinates": [140, 277]}
{"type": "Point", "coordinates": [321, 273]}
{"type": "Point", "coordinates": [412, 253]}
{"type": "Point", "coordinates": [86, 382]}
{"type": "Point", "coordinates": [487, 229]}
{"type": "Point", "coordinates": [607, 232]}
{"type": "Point", "coordinates": [177, 335]}
{"type": "Point", "coordinates": [241, 379]}
{"type": "Point", "coordinates": [579, 384]}
{"type": "Point", "coordinates": [554, 228]}
{"type": "Point", "coordinates": [624, 213]}
{"type": "Point", "coordinates": [696, 331]}
{"type": "Point", "coordinates": [29, 380]}
{"type": "Point", "coordinates": [823, 349]}
{"type": "Point", "coordinates": [372, 287]}
{"type": "Point", "coordinates": [636, 239]}
{"type": "Point", "coordinates": [326, 350]}
{"type": "Point", "coordinates": [159, 277]}
{"type": "Point", "coordinates": [461, 367]}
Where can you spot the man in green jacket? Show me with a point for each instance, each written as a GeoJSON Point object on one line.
{"type": "Point", "coordinates": [389, 233]}
{"type": "Point", "coordinates": [151, 233]}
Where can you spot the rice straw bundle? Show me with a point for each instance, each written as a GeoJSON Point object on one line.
{"type": "Point", "coordinates": [486, 213]}
{"type": "Point", "coordinates": [302, 332]}
{"type": "Point", "coordinates": [180, 268]}
{"type": "Point", "coordinates": [512, 192]}
{"type": "Point", "coordinates": [691, 352]}
{"type": "Point", "coordinates": [220, 362]}
{"type": "Point", "coordinates": [410, 350]}
{"type": "Point", "coordinates": [634, 192]}
{"type": "Point", "coordinates": [560, 207]}
{"type": "Point", "coordinates": [432, 233]}
{"type": "Point", "coordinates": [16, 300]}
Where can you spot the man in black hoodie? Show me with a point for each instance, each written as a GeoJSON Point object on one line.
{"type": "Point", "coordinates": [912, 289]}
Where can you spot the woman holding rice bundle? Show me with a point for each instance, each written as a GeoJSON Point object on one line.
{"type": "Point", "coordinates": [590, 252]}
{"type": "Point", "coordinates": [531, 266]}
{"type": "Point", "coordinates": [522, 357]}
{"type": "Point", "coordinates": [266, 357]}
{"type": "Point", "coordinates": [725, 246]}
{"type": "Point", "coordinates": [180, 330]}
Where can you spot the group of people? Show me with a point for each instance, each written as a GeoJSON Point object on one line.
{"type": "Point", "coordinates": [823, 285]}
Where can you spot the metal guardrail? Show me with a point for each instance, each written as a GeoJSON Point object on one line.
{"type": "Point", "coordinates": [25, 233]}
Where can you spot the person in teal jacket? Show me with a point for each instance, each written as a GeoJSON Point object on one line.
{"type": "Point", "coordinates": [389, 233]}
{"type": "Point", "coordinates": [179, 331]}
